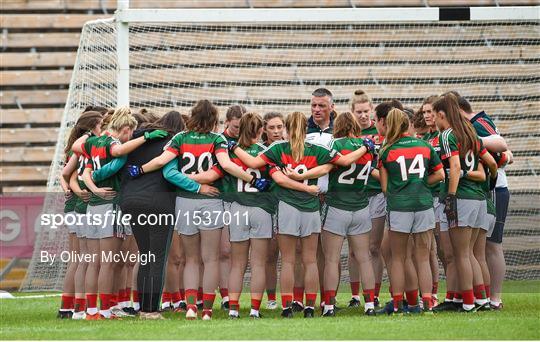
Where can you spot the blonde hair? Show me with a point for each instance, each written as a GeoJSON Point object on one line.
{"type": "Point", "coordinates": [296, 125]}
{"type": "Point", "coordinates": [359, 96]}
{"type": "Point", "coordinates": [250, 124]}
{"type": "Point", "coordinates": [397, 123]}
{"type": "Point", "coordinates": [121, 118]}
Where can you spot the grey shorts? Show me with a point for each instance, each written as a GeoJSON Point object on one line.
{"type": "Point", "coordinates": [490, 224]}
{"type": "Point", "coordinates": [82, 228]}
{"type": "Point", "coordinates": [437, 209]}
{"type": "Point", "coordinates": [345, 223]}
{"type": "Point", "coordinates": [471, 213]}
{"type": "Point", "coordinates": [377, 206]}
{"type": "Point", "coordinates": [110, 225]}
{"type": "Point", "coordinates": [292, 221]}
{"type": "Point", "coordinates": [411, 222]}
{"type": "Point", "coordinates": [250, 223]}
{"type": "Point", "coordinates": [71, 222]}
{"type": "Point", "coordinates": [194, 215]}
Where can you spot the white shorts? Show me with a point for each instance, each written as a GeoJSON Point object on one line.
{"type": "Point", "coordinates": [110, 226]}
{"type": "Point", "coordinates": [72, 228]}
{"type": "Point", "coordinates": [193, 215]}
{"type": "Point", "coordinates": [471, 213]}
{"type": "Point", "coordinates": [292, 221]}
{"type": "Point", "coordinates": [249, 223]}
{"type": "Point", "coordinates": [377, 206]}
{"type": "Point", "coordinates": [345, 223]}
{"type": "Point", "coordinates": [438, 209]}
{"type": "Point", "coordinates": [411, 222]}
{"type": "Point", "coordinates": [490, 224]}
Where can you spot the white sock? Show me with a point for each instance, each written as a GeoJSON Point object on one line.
{"type": "Point", "coordinates": [124, 304]}
{"type": "Point", "coordinates": [225, 299]}
{"type": "Point", "coordinates": [468, 307]}
{"type": "Point", "coordinates": [356, 297]}
{"type": "Point", "coordinates": [165, 305]}
{"type": "Point", "coordinates": [328, 308]}
{"type": "Point", "coordinates": [105, 313]}
{"type": "Point", "coordinates": [369, 305]}
{"type": "Point", "coordinates": [91, 311]}
{"type": "Point", "coordinates": [495, 302]}
{"type": "Point", "coordinates": [481, 301]}
{"type": "Point", "coordinates": [136, 306]}
{"type": "Point", "coordinates": [254, 312]}
{"type": "Point", "coordinates": [176, 305]}
{"type": "Point", "coordinates": [233, 313]}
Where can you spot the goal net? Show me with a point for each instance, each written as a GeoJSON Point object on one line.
{"type": "Point", "coordinates": [275, 67]}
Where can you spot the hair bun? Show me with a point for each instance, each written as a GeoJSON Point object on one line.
{"type": "Point", "coordinates": [359, 92]}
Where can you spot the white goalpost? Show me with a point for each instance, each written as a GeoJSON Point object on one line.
{"type": "Point", "coordinates": [272, 59]}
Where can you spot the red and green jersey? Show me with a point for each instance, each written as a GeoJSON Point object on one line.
{"type": "Point", "coordinates": [280, 154]}
{"type": "Point", "coordinates": [82, 160]}
{"type": "Point", "coordinates": [373, 186]}
{"type": "Point", "coordinates": [409, 161]}
{"type": "Point", "coordinates": [467, 189]}
{"type": "Point", "coordinates": [433, 139]}
{"type": "Point", "coordinates": [196, 153]}
{"type": "Point", "coordinates": [346, 186]}
{"type": "Point", "coordinates": [99, 151]}
{"type": "Point", "coordinates": [237, 190]}
{"type": "Point", "coordinates": [69, 204]}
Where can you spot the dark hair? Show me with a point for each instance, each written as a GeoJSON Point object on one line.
{"type": "Point", "coordinates": [463, 130]}
{"type": "Point", "coordinates": [382, 109]}
{"type": "Point", "coordinates": [235, 112]}
{"type": "Point", "coordinates": [86, 122]}
{"type": "Point", "coordinates": [418, 120]}
{"type": "Point", "coordinates": [463, 104]}
{"type": "Point", "coordinates": [98, 109]}
{"type": "Point", "coordinates": [204, 117]}
{"type": "Point", "coordinates": [172, 122]}
{"type": "Point", "coordinates": [409, 112]}
{"type": "Point", "coordinates": [321, 92]}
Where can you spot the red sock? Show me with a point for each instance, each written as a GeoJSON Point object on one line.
{"type": "Point", "coordinates": [135, 296]}
{"type": "Point", "coordinates": [428, 303]}
{"type": "Point", "coordinates": [255, 304]}
{"type": "Point", "coordinates": [468, 297]}
{"type": "Point", "coordinates": [122, 295]}
{"type": "Point", "coordinates": [105, 301]}
{"type": "Point", "coordinates": [398, 301]}
{"type": "Point", "coordinates": [224, 292]}
{"type": "Point", "coordinates": [80, 304]}
{"type": "Point", "coordinates": [271, 294]}
{"type": "Point", "coordinates": [191, 299]}
{"type": "Point", "coordinates": [286, 300]}
{"type": "Point", "coordinates": [208, 300]}
{"type": "Point", "coordinates": [176, 297]}
{"type": "Point", "coordinates": [234, 305]}
{"type": "Point", "coordinates": [377, 289]}
{"type": "Point", "coordinates": [458, 296]}
{"type": "Point", "coordinates": [479, 291]}
{"type": "Point", "coordinates": [488, 291]}
{"type": "Point", "coordinates": [450, 295]}
{"type": "Point", "coordinates": [355, 288]}
{"type": "Point", "coordinates": [412, 297]}
{"type": "Point", "coordinates": [329, 297]}
{"type": "Point", "coordinates": [91, 300]}
{"type": "Point", "coordinates": [311, 298]}
{"type": "Point", "coordinates": [182, 294]}
{"type": "Point", "coordinates": [113, 300]}
{"type": "Point", "coordinates": [435, 287]}
{"type": "Point", "coordinates": [67, 302]}
{"type": "Point", "coordinates": [369, 295]}
{"type": "Point", "coordinates": [166, 297]}
{"type": "Point", "coordinates": [298, 293]}
{"type": "Point", "coordinates": [199, 294]}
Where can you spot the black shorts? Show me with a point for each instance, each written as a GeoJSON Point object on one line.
{"type": "Point", "coordinates": [502, 198]}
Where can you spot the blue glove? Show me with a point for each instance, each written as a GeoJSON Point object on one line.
{"type": "Point", "coordinates": [231, 145]}
{"type": "Point", "coordinates": [261, 184]}
{"type": "Point", "coordinates": [135, 171]}
{"type": "Point", "coordinates": [369, 144]}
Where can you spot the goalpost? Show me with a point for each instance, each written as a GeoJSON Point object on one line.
{"type": "Point", "coordinates": [272, 59]}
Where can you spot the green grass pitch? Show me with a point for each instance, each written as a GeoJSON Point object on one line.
{"type": "Point", "coordinates": [35, 319]}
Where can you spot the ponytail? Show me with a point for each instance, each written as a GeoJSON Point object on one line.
{"type": "Point", "coordinates": [346, 125]}
{"type": "Point", "coordinates": [121, 118]}
{"type": "Point", "coordinates": [296, 125]}
{"type": "Point", "coordinates": [86, 122]}
{"type": "Point", "coordinates": [250, 124]}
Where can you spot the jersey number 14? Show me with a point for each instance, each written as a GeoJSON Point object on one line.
{"type": "Point", "coordinates": [416, 167]}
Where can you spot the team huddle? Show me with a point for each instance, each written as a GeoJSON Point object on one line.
{"type": "Point", "coordinates": [405, 188]}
